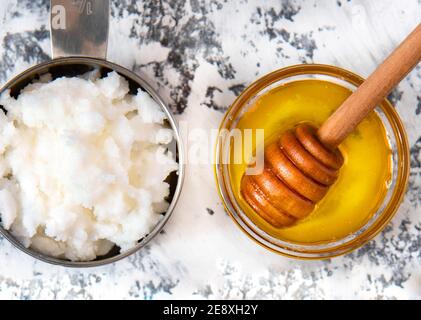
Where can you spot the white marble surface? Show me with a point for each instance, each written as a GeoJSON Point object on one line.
{"type": "Point", "coordinates": [199, 55]}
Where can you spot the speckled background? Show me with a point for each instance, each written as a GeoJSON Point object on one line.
{"type": "Point", "coordinates": [199, 55]}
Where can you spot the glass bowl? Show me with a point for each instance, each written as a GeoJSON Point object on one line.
{"type": "Point", "coordinates": [400, 164]}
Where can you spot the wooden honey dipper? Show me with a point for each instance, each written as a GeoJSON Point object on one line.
{"type": "Point", "coordinates": [302, 165]}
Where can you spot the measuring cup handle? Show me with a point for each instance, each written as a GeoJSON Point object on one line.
{"type": "Point", "coordinates": [79, 28]}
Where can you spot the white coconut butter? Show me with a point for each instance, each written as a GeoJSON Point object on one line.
{"type": "Point", "coordinates": [82, 166]}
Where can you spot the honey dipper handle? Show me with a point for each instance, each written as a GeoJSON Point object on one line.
{"type": "Point", "coordinates": [378, 85]}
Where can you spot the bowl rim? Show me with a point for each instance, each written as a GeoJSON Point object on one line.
{"type": "Point", "coordinates": [180, 153]}
{"type": "Point", "coordinates": [403, 167]}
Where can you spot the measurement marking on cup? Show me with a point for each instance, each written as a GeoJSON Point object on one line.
{"type": "Point", "coordinates": [84, 6]}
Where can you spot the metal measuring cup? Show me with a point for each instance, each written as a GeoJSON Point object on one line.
{"type": "Point", "coordinates": [79, 37]}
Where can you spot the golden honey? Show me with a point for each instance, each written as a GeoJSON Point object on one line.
{"type": "Point", "coordinates": [364, 177]}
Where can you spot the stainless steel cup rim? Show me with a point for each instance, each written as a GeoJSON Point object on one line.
{"type": "Point", "coordinates": [99, 62]}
